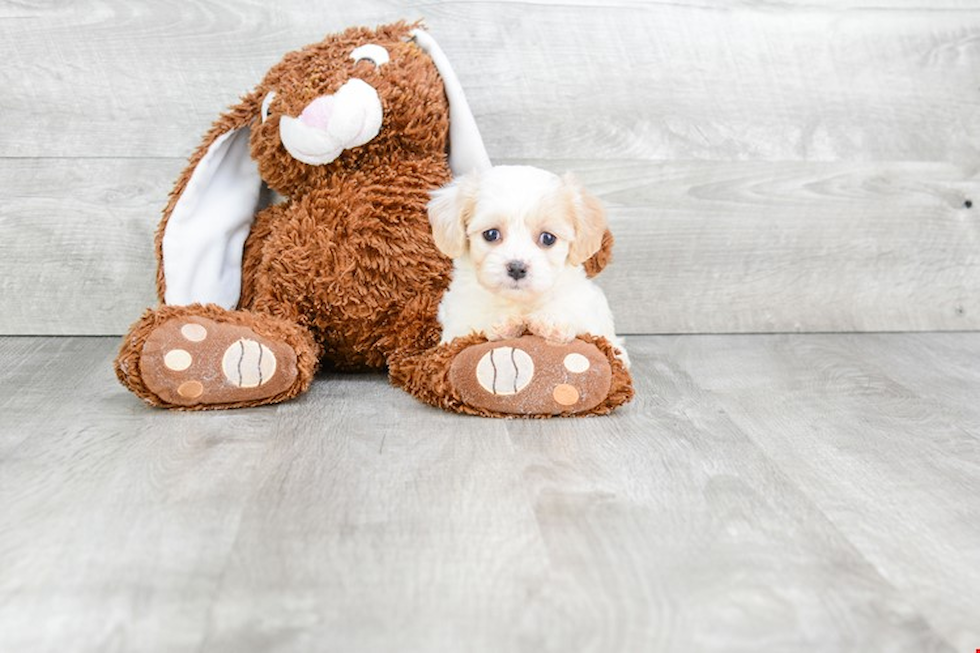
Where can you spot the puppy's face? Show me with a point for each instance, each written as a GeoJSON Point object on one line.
{"type": "Point", "coordinates": [518, 225]}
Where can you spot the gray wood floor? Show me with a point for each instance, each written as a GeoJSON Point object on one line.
{"type": "Point", "coordinates": [763, 493]}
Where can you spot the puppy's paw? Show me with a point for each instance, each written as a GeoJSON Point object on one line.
{"type": "Point", "coordinates": [551, 330]}
{"type": "Point", "coordinates": [512, 327]}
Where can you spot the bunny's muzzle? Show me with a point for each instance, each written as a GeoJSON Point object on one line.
{"type": "Point", "coordinates": [331, 124]}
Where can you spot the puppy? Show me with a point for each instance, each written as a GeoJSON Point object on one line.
{"type": "Point", "coordinates": [518, 237]}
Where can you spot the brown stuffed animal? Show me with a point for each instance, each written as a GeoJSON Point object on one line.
{"type": "Point", "coordinates": [298, 235]}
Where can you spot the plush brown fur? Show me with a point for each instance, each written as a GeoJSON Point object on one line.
{"type": "Point", "coordinates": [415, 119]}
{"type": "Point", "coordinates": [345, 271]}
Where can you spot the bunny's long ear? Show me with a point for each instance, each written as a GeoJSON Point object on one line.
{"type": "Point", "coordinates": [466, 150]}
{"type": "Point", "coordinates": [211, 209]}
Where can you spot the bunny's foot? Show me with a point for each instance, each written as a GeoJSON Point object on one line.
{"type": "Point", "coordinates": [200, 357]}
{"type": "Point", "coordinates": [532, 376]}
{"type": "Point", "coordinates": [526, 376]}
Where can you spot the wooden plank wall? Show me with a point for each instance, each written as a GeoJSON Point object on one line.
{"type": "Point", "coordinates": [791, 166]}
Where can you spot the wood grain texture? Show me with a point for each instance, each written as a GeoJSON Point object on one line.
{"type": "Point", "coordinates": [76, 242]}
{"type": "Point", "coordinates": [940, 370]}
{"type": "Point", "coordinates": [807, 246]}
{"type": "Point", "coordinates": [357, 519]}
{"type": "Point", "coordinates": [873, 454]}
{"type": "Point", "coordinates": [651, 80]}
{"type": "Point", "coordinates": [702, 247]}
{"type": "Point", "coordinates": [769, 167]}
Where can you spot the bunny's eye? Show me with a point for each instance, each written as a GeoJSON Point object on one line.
{"type": "Point", "coordinates": [269, 97]}
{"type": "Point", "coordinates": [373, 53]}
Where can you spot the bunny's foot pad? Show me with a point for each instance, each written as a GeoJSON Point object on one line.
{"type": "Point", "coordinates": [531, 376]}
{"type": "Point", "coordinates": [194, 361]}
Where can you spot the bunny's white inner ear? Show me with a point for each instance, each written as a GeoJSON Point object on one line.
{"type": "Point", "coordinates": [206, 232]}
{"type": "Point", "coordinates": [466, 150]}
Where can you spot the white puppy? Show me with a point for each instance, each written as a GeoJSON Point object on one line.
{"type": "Point", "coordinates": [518, 237]}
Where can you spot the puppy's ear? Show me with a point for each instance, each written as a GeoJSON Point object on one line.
{"type": "Point", "coordinates": [450, 209]}
{"type": "Point", "coordinates": [589, 218]}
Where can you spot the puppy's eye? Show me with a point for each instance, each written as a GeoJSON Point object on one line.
{"type": "Point", "coordinates": [547, 239]}
{"type": "Point", "coordinates": [491, 235]}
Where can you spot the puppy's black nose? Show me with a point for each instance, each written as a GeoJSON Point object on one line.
{"type": "Point", "coordinates": [516, 270]}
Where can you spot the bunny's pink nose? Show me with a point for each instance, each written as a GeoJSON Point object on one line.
{"type": "Point", "coordinates": [318, 112]}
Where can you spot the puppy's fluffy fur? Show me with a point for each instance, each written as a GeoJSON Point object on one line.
{"type": "Point", "coordinates": [518, 237]}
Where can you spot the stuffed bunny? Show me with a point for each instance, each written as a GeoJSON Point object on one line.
{"type": "Point", "coordinates": [298, 235]}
